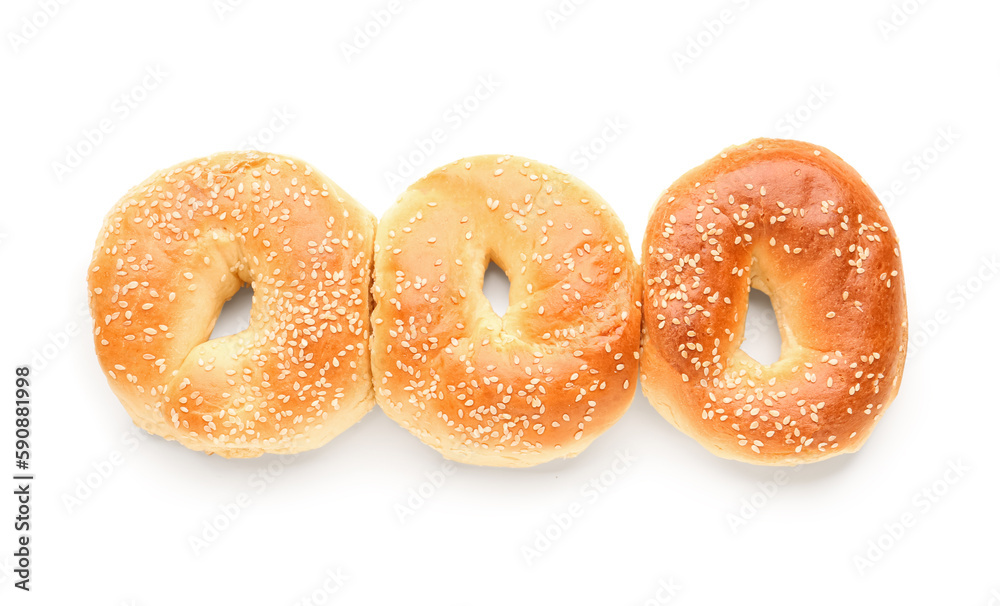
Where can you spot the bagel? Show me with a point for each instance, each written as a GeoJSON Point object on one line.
{"type": "Point", "coordinates": [559, 367]}
{"type": "Point", "coordinates": [181, 243]}
{"type": "Point", "coordinates": [796, 222]}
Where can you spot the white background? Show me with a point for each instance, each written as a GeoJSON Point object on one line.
{"type": "Point", "coordinates": [681, 81]}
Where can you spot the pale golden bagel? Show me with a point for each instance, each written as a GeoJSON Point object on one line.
{"type": "Point", "coordinates": [795, 221]}
{"type": "Point", "coordinates": [180, 244]}
{"type": "Point", "coordinates": [559, 367]}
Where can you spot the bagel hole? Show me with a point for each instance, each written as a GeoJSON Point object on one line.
{"type": "Point", "coordinates": [235, 314]}
{"type": "Point", "coordinates": [496, 287]}
{"type": "Point", "coordinates": [761, 335]}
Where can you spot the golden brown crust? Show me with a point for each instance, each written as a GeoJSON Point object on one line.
{"type": "Point", "coordinates": [177, 246]}
{"type": "Point", "coordinates": [795, 221]}
{"type": "Point", "coordinates": [559, 367]}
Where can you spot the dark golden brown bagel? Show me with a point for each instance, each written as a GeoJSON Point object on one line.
{"type": "Point", "coordinates": [795, 221]}
{"type": "Point", "coordinates": [559, 367]}
{"type": "Point", "coordinates": [180, 244]}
